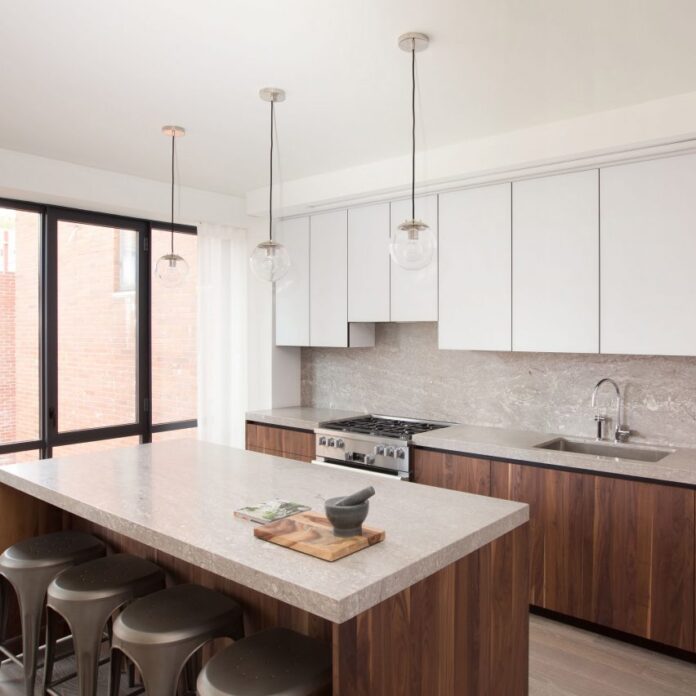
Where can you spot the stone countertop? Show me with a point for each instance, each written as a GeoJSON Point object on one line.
{"type": "Point", "coordinates": [678, 467]}
{"type": "Point", "coordinates": [303, 417]}
{"type": "Point", "coordinates": [179, 497]}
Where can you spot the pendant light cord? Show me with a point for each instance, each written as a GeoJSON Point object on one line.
{"type": "Point", "coordinates": [172, 235]}
{"type": "Point", "coordinates": [413, 129]}
{"type": "Point", "coordinates": [270, 188]}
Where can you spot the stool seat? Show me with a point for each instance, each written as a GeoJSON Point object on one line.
{"type": "Point", "coordinates": [86, 596]}
{"type": "Point", "coordinates": [175, 614]}
{"type": "Point", "coordinates": [30, 566]}
{"type": "Point", "coordinates": [105, 577]}
{"type": "Point", "coordinates": [51, 550]}
{"type": "Point", "coordinates": [161, 632]}
{"type": "Point", "coordinates": [275, 662]}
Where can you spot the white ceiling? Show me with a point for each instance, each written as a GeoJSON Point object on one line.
{"type": "Point", "coordinates": [92, 82]}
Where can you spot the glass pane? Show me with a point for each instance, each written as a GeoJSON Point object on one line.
{"type": "Point", "coordinates": [97, 326]}
{"type": "Point", "coordinates": [15, 457]}
{"type": "Point", "coordinates": [174, 334]}
{"type": "Point", "coordinates": [97, 446]}
{"type": "Point", "coordinates": [19, 325]}
{"type": "Point", "coordinates": [182, 434]}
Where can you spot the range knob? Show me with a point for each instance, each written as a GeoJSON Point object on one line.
{"type": "Point", "coordinates": [401, 453]}
{"type": "Point", "coordinates": [340, 444]}
{"type": "Point", "coordinates": [390, 452]}
{"type": "Point", "coordinates": [379, 449]}
{"type": "Point", "coordinates": [322, 441]}
{"type": "Point", "coordinates": [331, 442]}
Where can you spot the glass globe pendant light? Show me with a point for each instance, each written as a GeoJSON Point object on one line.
{"type": "Point", "coordinates": [412, 244]}
{"type": "Point", "coordinates": [270, 260]}
{"type": "Point", "coordinates": [171, 269]}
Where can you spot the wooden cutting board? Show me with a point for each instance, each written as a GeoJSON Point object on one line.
{"type": "Point", "coordinates": [312, 533]}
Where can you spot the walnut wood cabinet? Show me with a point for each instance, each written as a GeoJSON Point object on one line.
{"type": "Point", "coordinates": [615, 552]}
{"type": "Point", "coordinates": [453, 471]}
{"type": "Point", "coordinates": [281, 442]}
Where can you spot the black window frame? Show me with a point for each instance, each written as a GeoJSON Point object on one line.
{"type": "Point", "coordinates": [49, 436]}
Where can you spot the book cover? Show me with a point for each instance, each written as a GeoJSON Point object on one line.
{"type": "Point", "coordinates": [270, 511]}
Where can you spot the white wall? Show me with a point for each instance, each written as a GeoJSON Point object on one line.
{"type": "Point", "coordinates": [588, 139]}
{"type": "Point", "coordinates": [42, 180]}
{"type": "Point", "coordinates": [274, 372]}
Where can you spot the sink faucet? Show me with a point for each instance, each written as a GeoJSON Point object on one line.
{"type": "Point", "coordinates": [621, 431]}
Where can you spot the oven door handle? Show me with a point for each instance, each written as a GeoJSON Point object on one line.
{"type": "Point", "coordinates": [331, 465]}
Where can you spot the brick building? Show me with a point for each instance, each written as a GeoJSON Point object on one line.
{"type": "Point", "coordinates": [97, 329]}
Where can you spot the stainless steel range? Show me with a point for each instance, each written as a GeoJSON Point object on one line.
{"type": "Point", "coordinates": [379, 444]}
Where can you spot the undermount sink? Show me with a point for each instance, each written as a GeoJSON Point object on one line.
{"type": "Point", "coordinates": [605, 449]}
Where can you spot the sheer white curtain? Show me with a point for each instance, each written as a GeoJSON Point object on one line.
{"type": "Point", "coordinates": [222, 335]}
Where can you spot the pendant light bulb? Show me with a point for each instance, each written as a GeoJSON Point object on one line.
{"type": "Point", "coordinates": [270, 260]}
{"type": "Point", "coordinates": [412, 245]}
{"type": "Point", "coordinates": [171, 269]}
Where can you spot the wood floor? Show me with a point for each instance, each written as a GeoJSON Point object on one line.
{"type": "Point", "coordinates": [564, 661]}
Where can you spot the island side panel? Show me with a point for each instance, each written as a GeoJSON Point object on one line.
{"type": "Point", "coordinates": [463, 631]}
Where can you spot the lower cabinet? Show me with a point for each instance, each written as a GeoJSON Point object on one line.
{"type": "Point", "coordinates": [615, 552]}
{"type": "Point", "coordinates": [453, 471]}
{"type": "Point", "coordinates": [281, 442]}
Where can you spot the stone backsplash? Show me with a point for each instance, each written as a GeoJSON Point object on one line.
{"type": "Point", "coordinates": [406, 375]}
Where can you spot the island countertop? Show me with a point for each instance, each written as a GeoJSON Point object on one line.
{"type": "Point", "coordinates": [179, 497]}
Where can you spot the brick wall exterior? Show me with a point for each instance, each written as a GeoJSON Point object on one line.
{"type": "Point", "coordinates": [97, 339]}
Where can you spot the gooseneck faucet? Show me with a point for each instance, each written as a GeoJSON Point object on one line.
{"type": "Point", "coordinates": [621, 431]}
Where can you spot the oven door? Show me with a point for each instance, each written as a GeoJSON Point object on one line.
{"type": "Point", "coordinates": [332, 464]}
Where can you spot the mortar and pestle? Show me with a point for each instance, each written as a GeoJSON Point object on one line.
{"type": "Point", "coordinates": [347, 513]}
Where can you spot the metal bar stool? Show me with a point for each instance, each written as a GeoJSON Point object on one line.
{"type": "Point", "coordinates": [29, 566]}
{"type": "Point", "coordinates": [86, 596]}
{"type": "Point", "coordinates": [275, 662]}
{"type": "Point", "coordinates": [160, 632]}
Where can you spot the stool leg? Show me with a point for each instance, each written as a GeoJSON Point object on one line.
{"type": "Point", "coordinates": [50, 654]}
{"type": "Point", "coordinates": [115, 672]}
{"type": "Point", "coordinates": [31, 598]}
{"type": "Point", "coordinates": [87, 627]}
{"type": "Point", "coordinates": [4, 609]}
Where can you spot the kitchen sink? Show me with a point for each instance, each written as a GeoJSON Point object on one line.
{"type": "Point", "coordinates": [605, 449]}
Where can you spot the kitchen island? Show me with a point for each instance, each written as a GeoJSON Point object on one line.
{"type": "Point", "coordinates": [438, 608]}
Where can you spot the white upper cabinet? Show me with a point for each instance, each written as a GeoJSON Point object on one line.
{"type": "Point", "coordinates": [329, 279]}
{"type": "Point", "coordinates": [414, 293]}
{"type": "Point", "coordinates": [292, 290]}
{"type": "Point", "coordinates": [555, 263]}
{"type": "Point", "coordinates": [368, 263]}
{"type": "Point", "coordinates": [475, 269]}
{"type": "Point", "coordinates": [648, 247]}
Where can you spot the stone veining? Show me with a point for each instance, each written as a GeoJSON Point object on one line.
{"type": "Point", "coordinates": [405, 374]}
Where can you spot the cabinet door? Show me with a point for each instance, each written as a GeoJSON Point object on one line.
{"type": "Point", "coordinates": [475, 269]}
{"type": "Point", "coordinates": [643, 560]}
{"type": "Point", "coordinates": [561, 509]}
{"type": "Point", "coordinates": [329, 279]}
{"type": "Point", "coordinates": [281, 442]}
{"type": "Point", "coordinates": [555, 264]}
{"type": "Point", "coordinates": [368, 263]}
{"type": "Point", "coordinates": [414, 293]}
{"type": "Point", "coordinates": [648, 251]}
{"type": "Point", "coordinates": [453, 471]}
{"type": "Point", "coordinates": [292, 291]}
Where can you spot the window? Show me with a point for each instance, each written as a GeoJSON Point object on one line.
{"type": "Point", "coordinates": [174, 335]}
{"type": "Point", "coordinates": [116, 350]}
{"type": "Point", "coordinates": [20, 233]}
